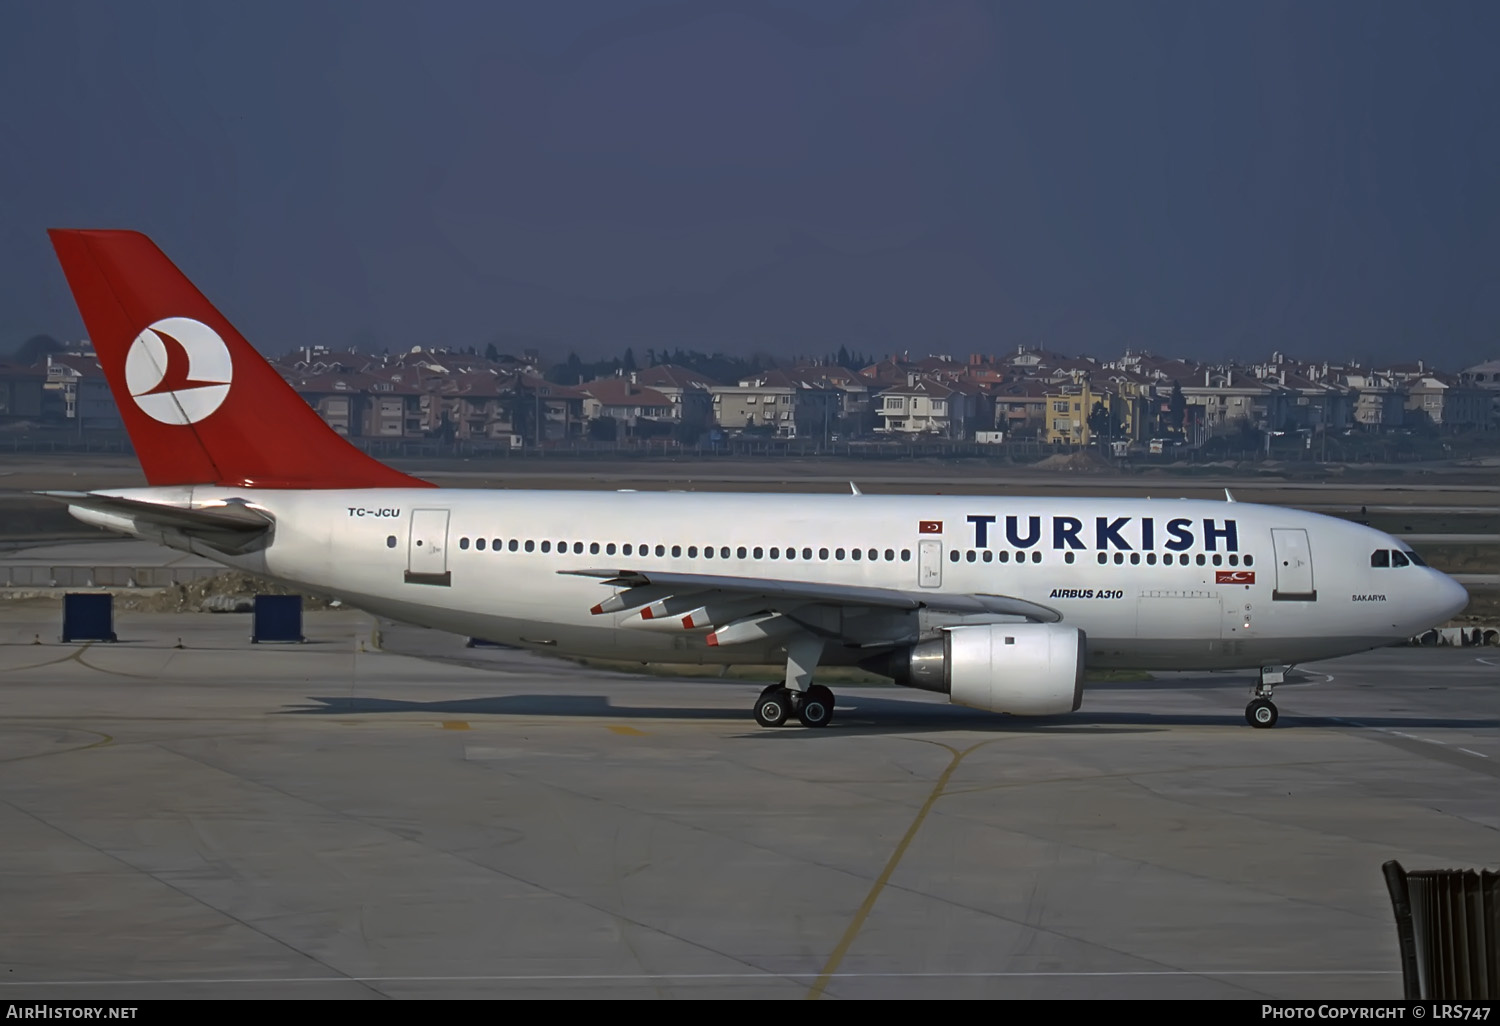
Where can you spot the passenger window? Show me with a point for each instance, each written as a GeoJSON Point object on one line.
{"type": "Point", "coordinates": [905, 555]}
{"type": "Point", "coordinates": [874, 554]}
{"type": "Point", "coordinates": [625, 549]}
{"type": "Point", "coordinates": [578, 548]}
{"type": "Point", "coordinates": [856, 554]}
{"type": "Point", "coordinates": [759, 552]}
{"type": "Point", "coordinates": [692, 552]}
{"type": "Point", "coordinates": [546, 546]}
{"type": "Point", "coordinates": [609, 550]}
{"type": "Point", "coordinates": [495, 544]}
{"type": "Point", "coordinates": [390, 541]}
{"type": "Point", "coordinates": [724, 552]}
{"type": "Point", "coordinates": [988, 556]}
{"type": "Point", "coordinates": [1103, 558]}
{"type": "Point", "coordinates": [1201, 560]}
{"type": "Point", "coordinates": [1234, 560]}
{"type": "Point", "coordinates": [1150, 559]}
{"type": "Point", "coordinates": [479, 544]}
{"type": "Point", "coordinates": [708, 552]}
{"type": "Point", "coordinates": [463, 543]}
{"type": "Point", "coordinates": [661, 550]}
{"type": "Point", "coordinates": [838, 553]}
{"type": "Point", "coordinates": [1068, 556]}
{"type": "Point", "coordinates": [775, 553]}
{"type": "Point", "coordinates": [739, 552]}
{"type": "Point", "coordinates": [1218, 559]}
{"type": "Point", "coordinates": [1249, 560]}
{"type": "Point", "coordinates": [1398, 558]}
{"type": "Point", "coordinates": [953, 556]}
{"type": "Point", "coordinates": [1380, 557]}
{"type": "Point", "coordinates": [676, 551]}
{"type": "Point", "coordinates": [594, 548]}
{"type": "Point", "coordinates": [530, 545]}
{"type": "Point", "coordinates": [1135, 559]}
{"type": "Point", "coordinates": [1005, 557]}
{"type": "Point", "coordinates": [890, 555]}
{"type": "Point", "coordinates": [822, 553]}
{"type": "Point", "coordinates": [1036, 557]}
{"type": "Point", "coordinates": [807, 553]}
{"type": "Point", "coordinates": [514, 545]}
{"type": "Point", "coordinates": [1119, 558]}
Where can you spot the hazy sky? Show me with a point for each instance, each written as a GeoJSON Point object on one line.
{"type": "Point", "coordinates": [1199, 178]}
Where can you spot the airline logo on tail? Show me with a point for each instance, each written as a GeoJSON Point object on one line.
{"type": "Point", "coordinates": [178, 370]}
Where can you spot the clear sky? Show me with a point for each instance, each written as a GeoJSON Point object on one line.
{"type": "Point", "coordinates": [1199, 178]}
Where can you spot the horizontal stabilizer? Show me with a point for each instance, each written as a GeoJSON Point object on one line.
{"type": "Point", "coordinates": [233, 516]}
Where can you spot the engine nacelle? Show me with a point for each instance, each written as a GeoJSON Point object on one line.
{"type": "Point", "coordinates": [1025, 669]}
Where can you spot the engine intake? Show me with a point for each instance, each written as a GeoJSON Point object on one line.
{"type": "Point", "coordinates": [1025, 669]}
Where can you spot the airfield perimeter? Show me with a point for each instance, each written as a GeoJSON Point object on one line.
{"type": "Point", "coordinates": [384, 812]}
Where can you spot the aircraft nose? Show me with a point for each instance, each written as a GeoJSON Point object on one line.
{"type": "Point", "coordinates": [1449, 598]}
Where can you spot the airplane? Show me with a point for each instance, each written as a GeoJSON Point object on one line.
{"type": "Point", "coordinates": [1001, 603]}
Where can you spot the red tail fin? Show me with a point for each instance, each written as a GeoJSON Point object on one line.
{"type": "Point", "coordinates": [201, 405]}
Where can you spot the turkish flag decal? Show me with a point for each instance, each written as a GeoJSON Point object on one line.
{"type": "Point", "coordinates": [930, 527]}
{"type": "Point", "coordinates": [1234, 576]}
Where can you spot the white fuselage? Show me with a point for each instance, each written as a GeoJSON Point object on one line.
{"type": "Point", "coordinates": [1153, 584]}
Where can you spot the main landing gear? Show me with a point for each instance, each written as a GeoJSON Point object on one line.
{"type": "Point", "coordinates": [778, 703]}
{"type": "Point", "coordinates": [1261, 712]}
{"type": "Point", "coordinates": [811, 704]}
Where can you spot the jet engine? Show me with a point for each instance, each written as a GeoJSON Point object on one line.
{"type": "Point", "coordinates": [1025, 669]}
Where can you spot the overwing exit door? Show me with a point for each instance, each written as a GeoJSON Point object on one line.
{"type": "Point", "coordinates": [930, 564]}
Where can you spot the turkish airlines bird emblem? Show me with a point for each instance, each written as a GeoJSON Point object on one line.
{"type": "Point", "coordinates": [178, 370]}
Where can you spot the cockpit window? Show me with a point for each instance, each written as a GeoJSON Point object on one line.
{"type": "Point", "coordinates": [1398, 558]}
{"type": "Point", "coordinates": [1416, 559]}
{"type": "Point", "coordinates": [1380, 557]}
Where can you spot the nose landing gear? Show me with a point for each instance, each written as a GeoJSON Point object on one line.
{"type": "Point", "coordinates": [1261, 712]}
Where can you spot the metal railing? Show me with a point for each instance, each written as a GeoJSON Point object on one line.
{"type": "Point", "coordinates": [1448, 925]}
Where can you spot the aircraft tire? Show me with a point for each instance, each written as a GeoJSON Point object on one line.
{"type": "Point", "coordinates": [1261, 713]}
{"type": "Point", "coordinates": [773, 707]}
{"type": "Point", "coordinates": [814, 710]}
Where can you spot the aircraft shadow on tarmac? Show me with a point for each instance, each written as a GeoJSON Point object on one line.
{"type": "Point", "coordinates": [860, 712]}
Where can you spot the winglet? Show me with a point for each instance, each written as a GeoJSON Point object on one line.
{"type": "Point", "coordinates": [854, 488]}
{"type": "Point", "coordinates": [1228, 495]}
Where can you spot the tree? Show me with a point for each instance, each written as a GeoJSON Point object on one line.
{"type": "Point", "coordinates": [628, 364]}
{"type": "Point", "coordinates": [36, 349]}
{"type": "Point", "coordinates": [1176, 408]}
{"type": "Point", "coordinates": [604, 429]}
{"type": "Point", "coordinates": [569, 372]}
{"type": "Point", "coordinates": [491, 353]}
{"type": "Point", "coordinates": [1100, 422]}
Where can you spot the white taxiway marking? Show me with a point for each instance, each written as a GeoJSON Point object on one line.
{"type": "Point", "coordinates": [1409, 737]}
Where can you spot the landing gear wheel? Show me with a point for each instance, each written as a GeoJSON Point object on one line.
{"type": "Point", "coordinates": [816, 707]}
{"type": "Point", "coordinates": [773, 707]}
{"type": "Point", "coordinates": [824, 695]}
{"type": "Point", "coordinates": [1261, 713]}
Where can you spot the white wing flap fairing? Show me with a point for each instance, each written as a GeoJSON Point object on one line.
{"type": "Point", "coordinates": [784, 593]}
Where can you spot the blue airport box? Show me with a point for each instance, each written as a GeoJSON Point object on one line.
{"type": "Point", "coordinates": [88, 617]}
{"type": "Point", "coordinates": [277, 618]}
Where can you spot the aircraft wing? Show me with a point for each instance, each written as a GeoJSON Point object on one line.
{"type": "Point", "coordinates": [644, 588]}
